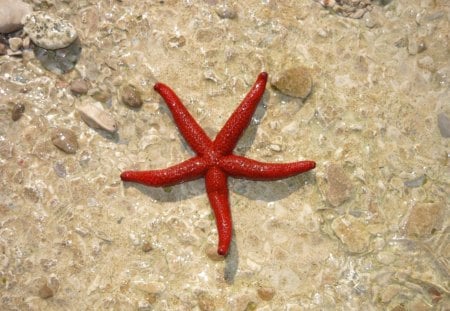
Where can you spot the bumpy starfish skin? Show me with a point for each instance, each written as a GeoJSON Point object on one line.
{"type": "Point", "coordinates": [214, 160]}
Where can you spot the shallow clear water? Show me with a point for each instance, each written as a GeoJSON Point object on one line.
{"type": "Point", "coordinates": [367, 229]}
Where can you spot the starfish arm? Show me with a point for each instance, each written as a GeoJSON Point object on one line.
{"type": "Point", "coordinates": [229, 135]}
{"type": "Point", "coordinates": [188, 170]}
{"type": "Point", "coordinates": [217, 189]}
{"type": "Point", "coordinates": [241, 167]}
{"type": "Point", "coordinates": [189, 128]}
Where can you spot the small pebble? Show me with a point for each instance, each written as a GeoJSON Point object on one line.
{"type": "Point", "coordinates": [130, 96]}
{"type": "Point", "coordinates": [49, 32]}
{"type": "Point", "coordinates": [65, 139]}
{"type": "Point", "coordinates": [17, 111]}
{"type": "Point", "coordinates": [266, 293]}
{"type": "Point", "coordinates": [444, 124]}
{"type": "Point", "coordinates": [97, 118]}
{"type": "Point", "coordinates": [226, 11]}
{"type": "Point", "coordinates": [212, 254]}
{"type": "Point", "coordinates": [424, 219]}
{"type": "Point", "coordinates": [421, 46]}
{"type": "Point", "coordinates": [146, 247]}
{"type": "Point", "coordinates": [339, 185]}
{"type": "Point", "coordinates": [15, 44]}
{"type": "Point", "coordinates": [60, 169]}
{"type": "Point", "coordinates": [79, 87]}
{"type": "Point", "coordinates": [45, 292]}
{"type": "Point", "coordinates": [416, 182]}
{"type": "Point", "coordinates": [3, 49]}
{"type": "Point", "coordinates": [295, 82]}
{"type": "Point", "coordinates": [352, 233]}
{"type": "Point", "coordinates": [11, 14]}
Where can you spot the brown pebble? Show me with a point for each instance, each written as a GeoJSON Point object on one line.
{"type": "Point", "coordinates": [130, 96]}
{"type": "Point", "coordinates": [146, 247]}
{"type": "Point", "coordinates": [295, 82]}
{"type": "Point", "coordinates": [424, 219]}
{"type": "Point", "coordinates": [45, 292]}
{"type": "Point", "coordinates": [3, 49]}
{"type": "Point", "coordinates": [340, 187]}
{"type": "Point", "coordinates": [17, 111]}
{"type": "Point", "coordinates": [65, 139]}
{"type": "Point", "coordinates": [79, 87]}
{"type": "Point", "coordinates": [212, 254]}
{"type": "Point", "coordinates": [266, 293]}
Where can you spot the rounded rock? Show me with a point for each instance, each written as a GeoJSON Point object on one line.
{"type": "Point", "coordinates": [49, 32]}
{"type": "Point", "coordinates": [79, 87]}
{"type": "Point", "coordinates": [11, 14]}
{"type": "Point", "coordinates": [97, 118]}
{"type": "Point", "coordinates": [65, 139]}
{"type": "Point", "coordinates": [17, 111]}
{"type": "Point", "coordinates": [295, 82]}
{"type": "Point", "coordinates": [130, 96]}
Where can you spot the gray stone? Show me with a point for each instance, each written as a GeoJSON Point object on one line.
{"type": "Point", "coordinates": [49, 32]}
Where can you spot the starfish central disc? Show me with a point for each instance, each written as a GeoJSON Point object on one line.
{"type": "Point", "coordinates": [214, 159]}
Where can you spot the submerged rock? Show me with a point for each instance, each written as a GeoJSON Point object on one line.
{"type": "Point", "coordinates": [424, 219]}
{"type": "Point", "coordinates": [49, 32]}
{"type": "Point", "coordinates": [11, 14]}
{"type": "Point", "coordinates": [339, 185]}
{"type": "Point", "coordinates": [65, 139]}
{"type": "Point", "coordinates": [17, 111]}
{"type": "Point", "coordinates": [130, 96]}
{"type": "Point", "coordinates": [352, 233]}
{"type": "Point", "coordinates": [97, 118]}
{"type": "Point", "coordinates": [295, 82]}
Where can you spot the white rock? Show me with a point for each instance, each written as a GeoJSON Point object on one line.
{"type": "Point", "coordinates": [49, 32]}
{"type": "Point", "coordinates": [11, 14]}
{"type": "Point", "coordinates": [97, 118]}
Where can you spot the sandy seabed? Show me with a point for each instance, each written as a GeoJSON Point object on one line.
{"type": "Point", "coordinates": [368, 229]}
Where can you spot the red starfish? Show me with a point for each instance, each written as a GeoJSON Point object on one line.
{"type": "Point", "coordinates": [214, 160]}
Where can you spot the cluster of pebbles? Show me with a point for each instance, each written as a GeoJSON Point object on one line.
{"type": "Point", "coordinates": [93, 114]}
{"type": "Point", "coordinates": [53, 40]}
{"type": "Point", "coordinates": [56, 45]}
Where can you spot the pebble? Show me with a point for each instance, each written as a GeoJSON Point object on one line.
{"type": "Point", "coordinates": [17, 111]}
{"type": "Point", "coordinates": [424, 219]}
{"type": "Point", "coordinates": [339, 185]}
{"type": "Point", "coordinates": [45, 292]}
{"type": "Point", "coordinates": [79, 87]}
{"type": "Point", "coordinates": [212, 254]}
{"type": "Point", "coordinates": [416, 182]}
{"type": "Point", "coordinates": [49, 32]}
{"type": "Point", "coordinates": [11, 14]}
{"type": "Point", "coordinates": [3, 49]}
{"type": "Point", "coordinates": [352, 233]}
{"type": "Point", "coordinates": [295, 82]}
{"type": "Point", "coordinates": [97, 118]}
{"type": "Point", "coordinates": [443, 124]}
{"type": "Point", "coordinates": [266, 293]}
{"type": "Point", "coordinates": [15, 44]}
{"type": "Point", "coordinates": [130, 96]}
{"type": "Point", "coordinates": [65, 139]}
{"type": "Point", "coordinates": [226, 11]}
{"type": "Point", "coordinates": [146, 247]}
